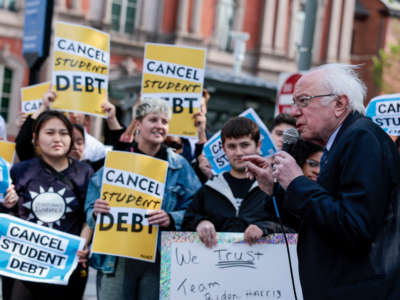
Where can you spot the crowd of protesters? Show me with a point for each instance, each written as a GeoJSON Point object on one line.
{"type": "Point", "coordinates": [57, 153]}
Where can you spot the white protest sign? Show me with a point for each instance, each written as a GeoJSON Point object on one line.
{"type": "Point", "coordinates": [230, 270]}
{"type": "Point", "coordinates": [35, 253]}
{"type": "Point", "coordinates": [215, 153]}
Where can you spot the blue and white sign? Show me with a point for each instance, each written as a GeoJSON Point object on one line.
{"type": "Point", "coordinates": [385, 112]}
{"type": "Point", "coordinates": [4, 178]}
{"type": "Point", "coordinates": [215, 153]}
{"type": "Point", "coordinates": [35, 253]}
{"type": "Point", "coordinates": [34, 26]}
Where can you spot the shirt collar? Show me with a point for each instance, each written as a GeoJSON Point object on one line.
{"type": "Point", "coordinates": [332, 138]}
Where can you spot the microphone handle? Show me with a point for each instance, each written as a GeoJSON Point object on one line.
{"type": "Point", "coordinates": [287, 147]}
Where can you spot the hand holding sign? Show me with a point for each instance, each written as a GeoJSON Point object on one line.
{"type": "Point", "coordinates": [207, 233]}
{"type": "Point", "coordinates": [11, 197]}
{"type": "Point", "coordinates": [252, 234]}
{"type": "Point", "coordinates": [83, 256]}
{"type": "Point", "coordinates": [159, 217]}
{"type": "Point", "coordinates": [112, 120]}
{"type": "Point", "coordinates": [101, 206]}
{"type": "Point", "coordinates": [47, 99]}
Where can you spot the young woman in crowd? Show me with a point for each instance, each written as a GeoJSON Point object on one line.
{"type": "Point", "coordinates": [78, 147]}
{"type": "Point", "coordinates": [26, 149]}
{"type": "Point", "coordinates": [52, 175]}
{"type": "Point", "coordinates": [124, 278]}
{"type": "Point", "coordinates": [308, 157]}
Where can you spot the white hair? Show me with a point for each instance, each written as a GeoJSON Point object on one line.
{"type": "Point", "coordinates": [152, 105]}
{"type": "Point", "coordinates": [342, 79]}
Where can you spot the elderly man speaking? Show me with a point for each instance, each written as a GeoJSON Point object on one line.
{"type": "Point", "coordinates": [349, 240]}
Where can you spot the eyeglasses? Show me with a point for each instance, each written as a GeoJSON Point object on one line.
{"type": "Point", "coordinates": [312, 163]}
{"type": "Point", "coordinates": [303, 101]}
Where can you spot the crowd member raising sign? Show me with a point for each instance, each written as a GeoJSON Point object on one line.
{"type": "Point", "coordinates": [134, 279]}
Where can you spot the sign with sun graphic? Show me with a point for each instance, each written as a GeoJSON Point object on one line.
{"type": "Point", "coordinates": [36, 253]}
{"type": "Point", "coordinates": [49, 207]}
{"type": "Point", "coordinates": [133, 185]}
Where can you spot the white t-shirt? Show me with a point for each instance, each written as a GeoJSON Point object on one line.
{"type": "Point", "coordinates": [94, 149]}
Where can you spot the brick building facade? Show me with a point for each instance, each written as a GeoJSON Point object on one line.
{"type": "Point", "coordinates": [274, 28]}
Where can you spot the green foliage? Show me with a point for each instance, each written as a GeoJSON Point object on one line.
{"type": "Point", "coordinates": [385, 66]}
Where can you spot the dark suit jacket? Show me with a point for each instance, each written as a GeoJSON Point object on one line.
{"type": "Point", "coordinates": [349, 238]}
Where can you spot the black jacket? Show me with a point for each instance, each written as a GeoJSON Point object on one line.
{"type": "Point", "coordinates": [349, 240]}
{"type": "Point", "coordinates": [214, 202]}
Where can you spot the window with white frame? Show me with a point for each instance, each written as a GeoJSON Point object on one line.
{"type": "Point", "coordinates": [123, 15]}
{"type": "Point", "coordinates": [226, 15]}
{"type": "Point", "coordinates": [8, 4]}
{"type": "Point", "coordinates": [6, 76]}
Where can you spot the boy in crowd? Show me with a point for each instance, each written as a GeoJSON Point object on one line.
{"type": "Point", "coordinates": [230, 202]}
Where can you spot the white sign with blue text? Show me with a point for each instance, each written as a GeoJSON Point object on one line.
{"type": "Point", "coordinates": [35, 253]}
{"type": "Point", "coordinates": [215, 153]}
{"type": "Point", "coordinates": [385, 112]}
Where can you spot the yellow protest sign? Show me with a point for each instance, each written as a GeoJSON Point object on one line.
{"type": "Point", "coordinates": [7, 151]}
{"type": "Point", "coordinates": [175, 74]}
{"type": "Point", "coordinates": [31, 97]}
{"type": "Point", "coordinates": [133, 185]}
{"type": "Point", "coordinates": [80, 68]}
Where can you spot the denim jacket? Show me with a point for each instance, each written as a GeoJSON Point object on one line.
{"type": "Point", "coordinates": [181, 184]}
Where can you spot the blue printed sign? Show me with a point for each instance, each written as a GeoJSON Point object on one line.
{"type": "Point", "coordinates": [34, 26]}
{"type": "Point", "coordinates": [4, 178]}
{"type": "Point", "coordinates": [215, 153]}
{"type": "Point", "coordinates": [385, 112]}
{"type": "Point", "coordinates": [35, 253]}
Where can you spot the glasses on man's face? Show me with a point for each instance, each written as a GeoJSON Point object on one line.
{"type": "Point", "coordinates": [312, 163]}
{"type": "Point", "coordinates": [303, 101]}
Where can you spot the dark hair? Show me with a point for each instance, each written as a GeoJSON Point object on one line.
{"type": "Point", "coordinates": [397, 142]}
{"type": "Point", "coordinates": [283, 119]}
{"type": "Point", "coordinates": [48, 115]}
{"type": "Point", "coordinates": [80, 129]}
{"type": "Point", "coordinates": [302, 150]}
{"type": "Point", "coordinates": [239, 127]}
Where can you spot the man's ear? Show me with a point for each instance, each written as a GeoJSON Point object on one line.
{"type": "Point", "coordinates": [341, 105]}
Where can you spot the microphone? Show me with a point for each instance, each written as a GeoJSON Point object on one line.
{"type": "Point", "coordinates": [289, 138]}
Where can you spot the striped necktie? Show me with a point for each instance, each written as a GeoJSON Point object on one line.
{"type": "Point", "coordinates": [324, 160]}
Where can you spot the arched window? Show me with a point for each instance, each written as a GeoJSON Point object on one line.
{"type": "Point", "coordinates": [123, 15]}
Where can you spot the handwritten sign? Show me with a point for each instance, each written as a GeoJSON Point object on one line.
{"type": "Point", "coordinates": [385, 112]}
{"type": "Point", "coordinates": [133, 185]}
{"type": "Point", "coordinates": [214, 151]}
{"type": "Point", "coordinates": [175, 74]}
{"type": "Point", "coordinates": [231, 270]}
{"type": "Point", "coordinates": [35, 253]}
{"type": "Point", "coordinates": [31, 97]}
{"type": "Point", "coordinates": [80, 68]}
